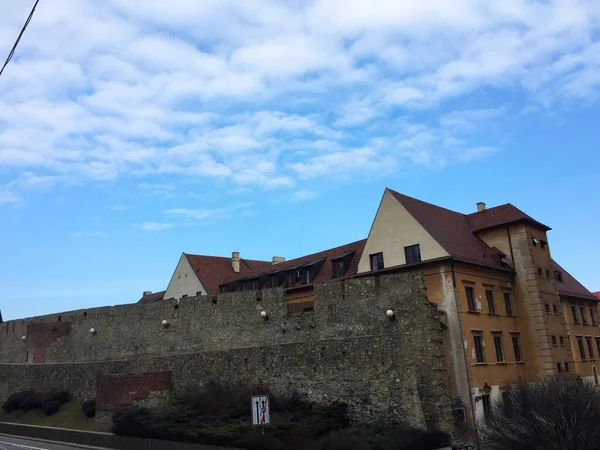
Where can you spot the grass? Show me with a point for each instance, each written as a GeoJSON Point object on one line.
{"type": "Point", "coordinates": [69, 416]}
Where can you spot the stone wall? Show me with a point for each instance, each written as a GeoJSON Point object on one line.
{"type": "Point", "coordinates": [347, 349]}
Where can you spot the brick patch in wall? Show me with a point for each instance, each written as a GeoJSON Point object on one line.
{"type": "Point", "coordinates": [41, 335]}
{"type": "Point", "coordinates": [113, 391]}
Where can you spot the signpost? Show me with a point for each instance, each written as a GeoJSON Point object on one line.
{"type": "Point", "coordinates": [261, 414]}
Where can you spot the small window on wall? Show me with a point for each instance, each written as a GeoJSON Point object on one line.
{"type": "Point", "coordinates": [534, 241]}
{"type": "Point", "coordinates": [499, 348]}
{"type": "Point", "coordinates": [562, 341]}
{"type": "Point", "coordinates": [574, 312]}
{"type": "Point", "coordinates": [508, 304]}
{"type": "Point", "coordinates": [338, 269]}
{"type": "Point", "coordinates": [412, 254]}
{"type": "Point", "coordinates": [559, 367]}
{"type": "Point", "coordinates": [581, 348]}
{"type": "Point", "coordinates": [593, 316]}
{"type": "Point", "coordinates": [583, 316]}
{"type": "Point", "coordinates": [566, 367]}
{"type": "Point", "coordinates": [559, 276]}
{"type": "Point", "coordinates": [555, 310]}
{"type": "Point", "coordinates": [547, 308]}
{"type": "Point", "coordinates": [598, 344]}
{"type": "Point", "coordinates": [489, 295]}
{"type": "Point", "coordinates": [540, 271]}
{"type": "Point", "coordinates": [590, 347]}
{"type": "Point", "coordinates": [543, 244]}
{"type": "Point", "coordinates": [517, 347]}
{"type": "Point", "coordinates": [470, 293]}
{"type": "Point", "coordinates": [479, 354]}
{"type": "Point", "coordinates": [554, 341]}
{"type": "Point", "coordinates": [377, 261]}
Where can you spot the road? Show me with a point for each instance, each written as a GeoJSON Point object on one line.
{"type": "Point", "coordinates": [13, 443]}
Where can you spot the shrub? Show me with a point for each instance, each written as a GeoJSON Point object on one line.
{"type": "Point", "coordinates": [416, 439]}
{"type": "Point", "coordinates": [89, 408]}
{"type": "Point", "coordinates": [59, 395]}
{"type": "Point", "coordinates": [555, 414]}
{"type": "Point", "coordinates": [31, 401]}
{"type": "Point", "coordinates": [343, 440]}
{"type": "Point", "coordinates": [51, 407]}
{"type": "Point", "coordinates": [12, 402]}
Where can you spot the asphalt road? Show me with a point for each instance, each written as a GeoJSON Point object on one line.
{"type": "Point", "coordinates": [13, 443]}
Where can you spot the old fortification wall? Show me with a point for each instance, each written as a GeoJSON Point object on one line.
{"type": "Point", "coordinates": [347, 349]}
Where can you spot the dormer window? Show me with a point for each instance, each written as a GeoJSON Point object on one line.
{"type": "Point", "coordinates": [503, 260]}
{"type": "Point", "coordinates": [543, 244]}
{"type": "Point", "coordinates": [559, 276]}
{"type": "Point", "coordinates": [534, 241]}
{"type": "Point", "coordinates": [340, 264]}
{"type": "Point", "coordinates": [291, 278]}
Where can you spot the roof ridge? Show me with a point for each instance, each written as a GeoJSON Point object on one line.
{"type": "Point", "coordinates": [503, 205]}
{"type": "Point", "coordinates": [428, 203]}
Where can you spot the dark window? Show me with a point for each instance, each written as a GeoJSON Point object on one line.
{"type": "Point", "coordinates": [555, 310]}
{"type": "Point", "coordinates": [547, 308]}
{"type": "Point", "coordinates": [507, 403]}
{"type": "Point", "coordinates": [566, 367]}
{"type": "Point", "coordinates": [598, 345]}
{"type": "Point", "coordinates": [490, 301]}
{"type": "Point", "coordinates": [590, 347]}
{"type": "Point", "coordinates": [593, 316]}
{"type": "Point", "coordinates": [487, 406]}
{"type": "Point", "coordinates": [543, 244]}
{"type": "Point", "coordinates": [508, 304]}
{"type": "Point", "coordinates": [291, 278]}
{"type": "Point", "coordinates": [583, 317]}
{"type": "Point", "coordinates": [581, 348]}
{"type": "Point", "coordinates": [559, 367]}
{"type": "Point", "coordinates": [471, 305]}
{"type": "Point", "coordinates": [377, 261]}
{"type": "Point", "coordinates": [559, 276]}
{"type": "Point", "coordinates": [499, 349]}
{"type": "Point", "coordinates": [540, 271]}
{"type": "Point", "coordinates": [412, 254]}
{"type": "Point", "coordinates": [547, 274]}
{"type": "Point", "coordinates": [479, 348]}
{"type": "Point", "coordinates": [517, 348]}
{"type": "Point", "coordinates": [338, 269]}
{"type": "Point", "coordinates": [562, 341]}
{"type": "Point", "coordinates": [574, 311]}
{"type": "Point", "coordinates": [534, 241]}
{"type": "Point", "coordinates": [554, 341]}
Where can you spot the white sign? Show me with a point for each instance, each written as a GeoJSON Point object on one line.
{"type": "Point", "coordinates": [260, 410]}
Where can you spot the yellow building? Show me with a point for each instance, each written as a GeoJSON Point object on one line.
{"type": "Point", "coordinates": [511, 312]}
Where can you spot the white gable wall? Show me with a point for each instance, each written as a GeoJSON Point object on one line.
{"type": "Point", "coordinates": [184, 281]}
{"type": "Point", "coordinates": [393, 229]}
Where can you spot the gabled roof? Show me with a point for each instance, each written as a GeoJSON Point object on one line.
{"type": "Point", "coordinates": [501, 215]}
{"type": "Point", "coordinates": [152, 297]}
{"type": "Point", "coordinates": [325, 272]}
{"type": "Point", "coordinates": [452, 231]}
{"type": "Point", "coordinates": [596, 294]}
{"type": "Point", "coordinates": [213, 271]}
{"type": "Point", "coordinates": [570, 286]}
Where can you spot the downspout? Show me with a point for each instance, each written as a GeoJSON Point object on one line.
{"type": "Point", "coordinates": [512, 255]}
{"type": "Point", "coordinates": [462, 337]}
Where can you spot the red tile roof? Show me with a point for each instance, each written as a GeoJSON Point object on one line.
{"type": "Point", "coordinates": [500, 215]}
{"type": "Point", "coordinates": [213, 271]}
{"type": "Point", "coordinates": [597, 295]}
{"type": "Point", "coordinates": [152, 297]}
{"type": "Point", "coordinates": [452, 231]}
{"type": "Point", "coordinates": [570, 286]}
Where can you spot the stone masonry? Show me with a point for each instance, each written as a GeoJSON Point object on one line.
{"type": "Point", "coordinates": [347, 349]}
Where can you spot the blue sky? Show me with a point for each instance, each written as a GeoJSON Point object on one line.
{"type": "Point", "coordinates": [131, 132]}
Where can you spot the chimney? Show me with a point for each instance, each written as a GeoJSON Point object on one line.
{"type": "Point", "coordinates": [480, 206]}
{"type": "Point", "coordinates": [235, 261]}
{"type": "Point", "coordinates": [146, 293]}
{"type": "Point", "coordinates": [278, 259]}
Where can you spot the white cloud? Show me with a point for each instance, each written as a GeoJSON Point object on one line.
{"type": "Point", "coordinates": [89, 234]}
{"type": "Point", "coordinates": [121, 207]}
{"type": "Point", "coordinates": [302, 195]}
{"type": "Point", "coordinates": [321, 84]}
{"type": "Point", "coordinates": [199, 214]}
{"type": "Point", "coordinates": [7, 197]}
{"type": "Point", "coordinates": [154, 226]}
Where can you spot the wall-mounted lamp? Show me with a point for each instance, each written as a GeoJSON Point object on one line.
{"type": "Point", "coordinates": [165, 323]}
{"type": "Point", "coordinates": [487, 389]}
{"type": "Point", "coordinates": [390, 314]}
{"type": "Point", "coordinates": [23, 338]}
{"type": "Point", "coordinates": [93, 331]}
{"type": "Point", "coordinates": [264, 315]}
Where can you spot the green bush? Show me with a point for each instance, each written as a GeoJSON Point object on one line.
{"type": "Point", "coordinates": [89, 408]}
{"type": "Point", "coordinates": [261, 442]}
{"type": "Point", "coordinates": [14, 400]}
{"type": "Point", "coordinates": [417, 439]}
{"type": "Point", "coordinates": [51, 407]}
{"type": "Point", "coordinates": [344, 440]}
{"type": "Point", "coordinates": [31, 401]}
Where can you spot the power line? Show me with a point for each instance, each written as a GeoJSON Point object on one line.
{"type": "Point", "coordinates": [12, 52]}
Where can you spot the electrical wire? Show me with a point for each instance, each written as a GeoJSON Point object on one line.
{"type": "Point", "coordinates": [12, 52]}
